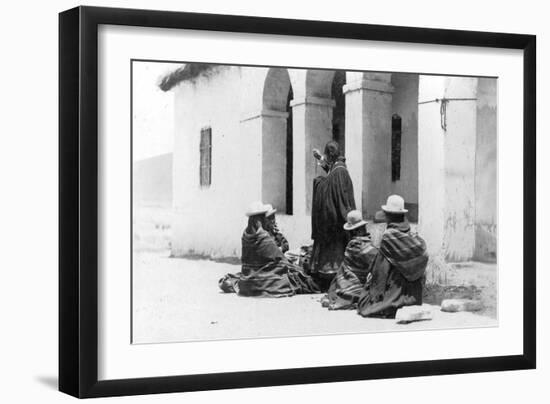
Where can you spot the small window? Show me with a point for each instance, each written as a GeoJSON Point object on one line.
{"type": "Point", "coordinates": [206, 157]}
{"type": "Point", "coordinates": [395, 148]}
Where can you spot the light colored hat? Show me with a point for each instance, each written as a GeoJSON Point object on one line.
{"type": "Point", "coordinates": [354, 220]}
{"type": "Point", "coordinates": [394, 204]}
{"type": "Point", "coordinates": [270, 210]}
{"type": "Point", "coordinates": [256, 208]}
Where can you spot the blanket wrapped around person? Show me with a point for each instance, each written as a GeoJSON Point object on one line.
{"type": "Point", "coordinates": [346, 287]}
{"type": "Point", "coordinates": [332, 200]}
{"type": "Point", "coordinates": [398, 273]}
{"type": "Point", "coordinates": [265, 271]}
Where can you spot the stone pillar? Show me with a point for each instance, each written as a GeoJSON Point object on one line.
{"type": "Point", "coordinates": [251, 132]}
{"type": "Point", "coordinates": [368, 138]}
{"type": "Point", "coordinates": [446, 165]}
{"type": "Point", "coordinates": [312, 128]}
{"type": "Point", "coordinates": [274, 158]}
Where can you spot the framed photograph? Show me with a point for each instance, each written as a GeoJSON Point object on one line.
{"type": "Point", "coordinates": [251, 201]}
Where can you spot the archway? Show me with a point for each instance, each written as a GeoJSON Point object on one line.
{"type": "Point", "coordinates": [320, 110]}
{"type": "Point", "coordinates": [289, 195]}
{"type": "Point", "coordinates": [339, 110]}
{"type": "Point", "coordinates": [368, 137]}
{"type": "Point", "coordinates": [277, 141]}
{"type": "Point", "coordinates": [327, 85]}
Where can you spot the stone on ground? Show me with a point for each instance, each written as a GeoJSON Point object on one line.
{"type": "Point", "coordinates": [408, 314]}
{"type": "Point", "coordinates": [456, 305]}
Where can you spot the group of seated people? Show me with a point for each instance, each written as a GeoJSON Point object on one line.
{"type": "Point", "coordinates": [374, 280]}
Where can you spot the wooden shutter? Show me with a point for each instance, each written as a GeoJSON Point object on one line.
{"type": "Point", "coordinates": [396, 148]}
{"type": "Point", "coordinates": [206, 157]}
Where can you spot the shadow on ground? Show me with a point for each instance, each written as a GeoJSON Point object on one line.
{"type": "Point", "coordinates": [48, 381]}
{"type": "Point", "coordinates": [222, 260]}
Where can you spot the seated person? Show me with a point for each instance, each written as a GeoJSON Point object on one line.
{"type": "Point", "coordinates": [347, 286]}
{"type": "Point", "coordinates": [271, 227]}
{"type": "Point", "coordinates": [265, 270]}
{"type": "Point", "coordinates": [398, 272]}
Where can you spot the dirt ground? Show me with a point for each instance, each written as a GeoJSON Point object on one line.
{"type": "Point", "coordinates": [467, 280]}
{"type": "Point", "coordinates": [177, 299]}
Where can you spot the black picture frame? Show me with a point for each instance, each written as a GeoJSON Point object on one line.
{"type": "Point", "coordinates": [78, 201]}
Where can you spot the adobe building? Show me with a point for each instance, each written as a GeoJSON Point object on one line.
{"type": "Point", "coordinates": [247, 133]}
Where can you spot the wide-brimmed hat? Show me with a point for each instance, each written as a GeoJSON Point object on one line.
{"type": "Point", "coordinates": [354, 220]}
{"type": "Point", "coordinates": [394, 204]}
{"type": "Point", "coordinates": [256, 208]}
{"type": "Point", "coordinates": [270, 210]}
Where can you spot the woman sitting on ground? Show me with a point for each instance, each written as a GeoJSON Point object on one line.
{"type": "Point", "coordinates": [398, 272]}
{"type": "Point", "coordinates": [346, 287]}
{"type": "Point", "coordinates": [265, 270]}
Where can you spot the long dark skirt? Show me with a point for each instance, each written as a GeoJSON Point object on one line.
{"type": "Point", "coordinates": [332, 199]}
{"type": "Point", "coordinates": [327, 256]}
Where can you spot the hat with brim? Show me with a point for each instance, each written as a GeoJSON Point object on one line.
{"type": "Point", "coordinates": [354, 220]}
{"type": "Point", "coordinates": [270, 211]}
{"type": "Point", "coordinates": [348, 226]}
{"type": "Point", "coordinates": [394, 204]}
{"type": "Point", "coordinates": [256, 208]}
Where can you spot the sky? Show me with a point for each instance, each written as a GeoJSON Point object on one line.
{"type": "Point", "coordinates": [153, 110]}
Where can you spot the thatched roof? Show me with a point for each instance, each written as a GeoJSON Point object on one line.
{"type": "Point", "coordinates": [189, 71]}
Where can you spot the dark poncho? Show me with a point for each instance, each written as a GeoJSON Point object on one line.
{"type": "Point", "coordinates": [279, 238]}
{"type": "Point", "coordinates": [397, 273]}
{"type": "Point", "coordinates": [265, 270]}
{"type": "Point", "coordinates": [332, 200]}
{"type": "Point", "coordinates": [346, 287]}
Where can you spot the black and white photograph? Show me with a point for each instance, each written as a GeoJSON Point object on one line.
{"type": "Point", "coordinates": [273, 201]}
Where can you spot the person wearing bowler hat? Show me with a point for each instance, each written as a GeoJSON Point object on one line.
{"type": "Point", "coordinates": [346, 287]}
{"type": "Point", "coordinates": [398, 272]}
{"type": "Point", "coordinates": [273, 229]}
{"type": "Point", "coordinates": [265, 271]}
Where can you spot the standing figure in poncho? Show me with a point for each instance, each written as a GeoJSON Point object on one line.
{"type": "Point", "coordinates": [332, 200]}
{"type": "Point", "coordinates": [398, 272]}
{"type": "Point", "coordinates": [265, 271]}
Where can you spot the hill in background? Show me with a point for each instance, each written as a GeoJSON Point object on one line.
{"type": "Point", "coordinates": [152, 181]}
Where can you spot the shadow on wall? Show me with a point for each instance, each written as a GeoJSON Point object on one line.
{"type": "Point", "coordinates": [412, 215]}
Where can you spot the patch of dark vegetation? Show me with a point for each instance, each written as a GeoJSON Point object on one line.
{"type": "Point", "coordinates": [460, 265]}
{"type": "Point", "coordinates": [197, 256]}
{"type": "Point", "coordinates": [435, 293]}
{"type": "Point", "coordinates": [188, 72]}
